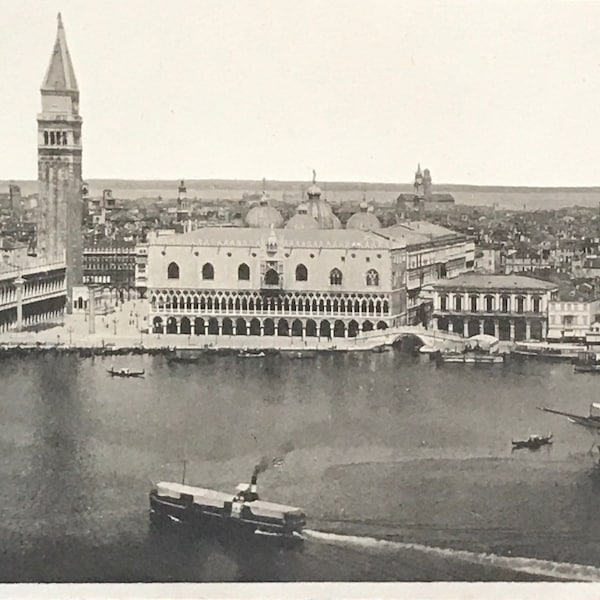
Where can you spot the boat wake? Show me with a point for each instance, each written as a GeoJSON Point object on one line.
{"type": "Point", "coordinates": [532, 566]}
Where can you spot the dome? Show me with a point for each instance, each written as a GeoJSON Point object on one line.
{"type": "Point", "coordinates": [364, 220]}
{"type": "Point", "coordinates": [302, 220]}
{"type": "Point", "coordinates": [314, 190]}
{"type": "Point", "coordinates": [264, 215]}
{"type": "Point", "coordinates": [322, 213]}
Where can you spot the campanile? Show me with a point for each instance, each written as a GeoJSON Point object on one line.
{"type": "Point", "coordinates": [59, 233]}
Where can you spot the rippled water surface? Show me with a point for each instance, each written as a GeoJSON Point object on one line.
{"type": "Point", "coordinates": [372, 446]}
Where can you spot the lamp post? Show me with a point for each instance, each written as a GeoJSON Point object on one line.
{"type": "Point", "coordinates": [115, 321]}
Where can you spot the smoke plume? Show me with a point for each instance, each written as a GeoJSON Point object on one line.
{"type": "Point", "coordinates": [265, 462]}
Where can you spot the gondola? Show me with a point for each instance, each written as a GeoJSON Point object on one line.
{"type": "Point", "coordinates": [125, 372]}
{"type": "Point", "coordinates": [251, 354]}
{"type": "Point", "coordinates": [533, 442]}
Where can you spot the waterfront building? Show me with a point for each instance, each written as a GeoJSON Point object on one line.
{"type": "Point", "coordinates": [510, 307]}
{"type": "Point", "coordinates": [433, 253]}
{"type": "Point", "coordinates": [284, 282]}
{"type": "Point", "coordinates": [59, 215]}
{"type": "Point", "coordinates": [31, 294]}
{"type": "Point", "coordinates": [571, 316]}
{"type": "Point", "coordinates": [111, 264]}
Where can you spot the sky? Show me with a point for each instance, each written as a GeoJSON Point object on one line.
{"type": "Point", "coordinates": [482, 92]}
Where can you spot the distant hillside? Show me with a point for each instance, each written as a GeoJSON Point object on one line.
{"type": "Point", "coordinates": [293, 191]}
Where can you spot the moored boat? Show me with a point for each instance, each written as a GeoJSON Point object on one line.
{"type": "Point", "coordinates": [380, 349]}
{"type": "Point", "coordinates": [587, 362]}
{"type": "Point", "coordinates": [303, 354]}
{"type": "Point", "coordinates": [246, 353]}
{"type": "Point", "coordinates": [550, 351]}
{"type": "Point", "coordinates": [125, 372]}
{"type": "Point", "coordinates": [234, 516]}
{"type": "Point", "coordinates": [472, 358]}
{"type": "Point", "coordinates": [186, 358]}
{"type": "Point", "coordinates": [533, 442]}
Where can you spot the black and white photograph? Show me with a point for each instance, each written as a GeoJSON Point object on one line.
{"type": "Point", "coordinates": [300, 292]}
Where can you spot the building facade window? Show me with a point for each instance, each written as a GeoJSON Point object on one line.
{"type": "Point", "coordinates": [537, 305]}
{"type": "Point", "coordinates": [520, 304]}
{"type": "Point", "coordinates": [301, 273]}
{"type": "Point", "coordinates": [444, 302]}
{"type": "Point", "coordinates": [372, 277]}
{"type": "Point", "coordinates": [244, 272]}
{"type": "Point", "coordinates": [335, 277]}
{"type": "Point", "coordinates": [504, 304]}
{"type": "Point", "coordinates": [489, 303]}
{"type": "Point", "coordinates": [173, 271]}
{"type": "Point", "coordinates": [457, 302]}
{"type": "Point", "coordinates": [473, 302]}
{"type": "Point", "coordinates": [208, 271]}
{"type": "Point", "coordinates": [272, 277]}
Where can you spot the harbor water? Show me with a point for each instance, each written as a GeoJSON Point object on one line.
{"type": "Point", "coordinates": [404, 467]}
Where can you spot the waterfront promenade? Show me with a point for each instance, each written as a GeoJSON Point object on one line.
{"type": "Point", "coordinates": [126, 327]}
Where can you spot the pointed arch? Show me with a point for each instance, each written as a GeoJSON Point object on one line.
{"type": "Point", "coordinates": [339, 329]}
{"type": "Point", "coordinates": [372, 277]}
{"type": "Point", "coordinates": [227, 326]}
{"type": "Point", "coordinates": [208, 271]}
{"type": "Point", "coordinates": [173, 271]}
{"type": "Point", "coordinates": [272, 277]}
{"type": "Point", "coordinates": [325, 329]}
{"type": "Point", "coordinates": [311, 328]}
{"type": "Point", "coordinates": [283, 327]}
{"type": "Point", "coordinates": [244, 272]}
{"type": "Point", "coordinates": [199, 326]}
{"type": "Point", "coordinates": [186, 327]}
{"type": "Point", "coordinates": [297, 328]}
{"type": "Point", "coordinates": [301, 273]}
{"type": "Point", "coordinates": [335, 277]}
{"type": "Point", "coordinates": [268, 327]}
{"type": "Point", "coordinates": [240, 327]}
{"type": "Point", "coordinates": [255, 327]}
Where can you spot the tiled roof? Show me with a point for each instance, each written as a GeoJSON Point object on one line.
{"type": "Point", "coordinates": [470, 281]}
{"type": "Point", "coordinates": [416, 232]}
{"type": "Point", "coordinates": [245, 236]}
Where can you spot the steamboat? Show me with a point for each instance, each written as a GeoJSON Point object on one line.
{"type": "Point", "coordinates": [240, 516]}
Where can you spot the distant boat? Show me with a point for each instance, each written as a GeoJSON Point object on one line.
{"type": "Point", "coordinates": [303, 355]}
{"type": "Point", "coordinates": [380, 349]}
{"type": "Point", "coordinates": [533, 442]}
{"type": "Point", "coordinates": [125, 372]}
{"type": "Point", "coordinates": [548, 350]}
{"type": "Point", "coordinates": [587, 362]}
{"type": "Point", "coordinates": [182, 358]}
{"type": "Point", "coordinates": [251, 354]}
{"type": "Point", "coordinates": [472, 358]}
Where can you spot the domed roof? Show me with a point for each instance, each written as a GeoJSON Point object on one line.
{"type": "Point", "coordinates": [364, 220]}
{"type": "Point", "coordinates": [314, 190]}
{"type": "Point", "coordinates": [264, 215]}
{"type": "Point", "coordinates": [302, 220]}
{"type": "Point", "coordinates": [321, 211]}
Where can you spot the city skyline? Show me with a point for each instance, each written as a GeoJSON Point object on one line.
{"type": "Point", "coordinates": [245, 91]}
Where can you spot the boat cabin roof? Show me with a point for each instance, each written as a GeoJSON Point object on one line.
{"type": "Point", "coordinates": [204, 496]}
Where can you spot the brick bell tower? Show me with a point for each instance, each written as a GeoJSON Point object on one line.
{"type": "Point", "coordinates": [60, 204]}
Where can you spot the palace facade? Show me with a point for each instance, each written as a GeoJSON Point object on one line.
{"type": "Point", "coordinates": [266, 281]}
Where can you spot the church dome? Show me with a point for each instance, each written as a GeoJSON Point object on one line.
{"type": "Point", "coordinates": [264, 215]}
{"type": "Point", "coordinates": [302, 220]}
{"type": "Point", "coordinates": [364, 220]}
{"type": "Point", "coordinates": [322, 213]}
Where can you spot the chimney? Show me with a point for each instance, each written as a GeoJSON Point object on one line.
{"type": "Point", "coordinates": [253, 485]}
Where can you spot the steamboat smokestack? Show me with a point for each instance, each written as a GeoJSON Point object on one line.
{"type": "Point", "coordinates": [253, 484]}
